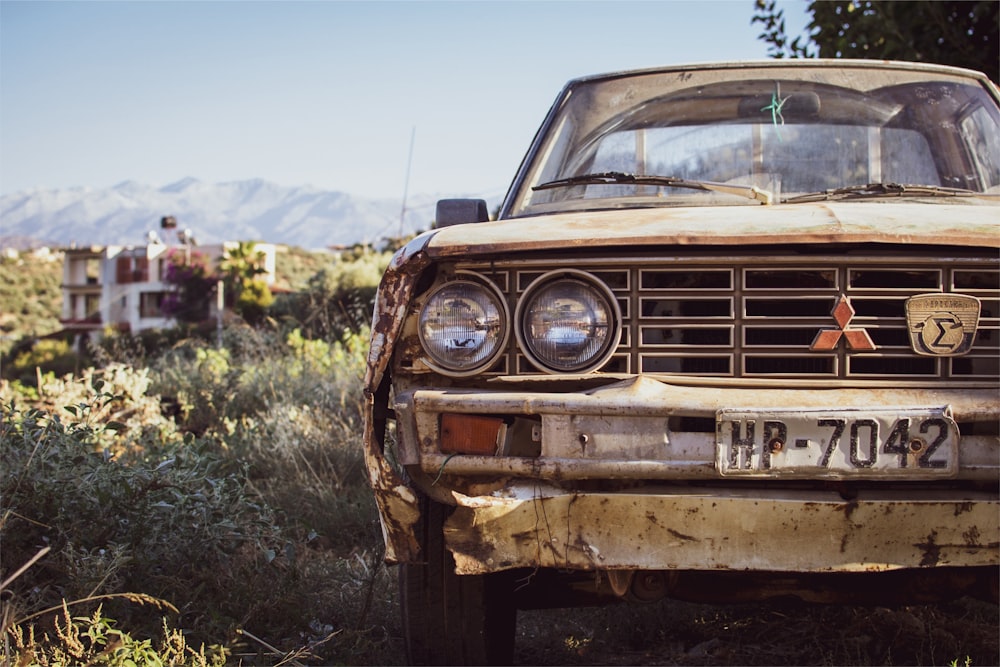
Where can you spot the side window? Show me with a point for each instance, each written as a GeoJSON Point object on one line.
{"type": "Point", "coordinates": [978, 128]}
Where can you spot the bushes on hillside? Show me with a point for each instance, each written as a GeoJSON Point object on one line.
{"type": "Point", "coordinates": [30, 297]}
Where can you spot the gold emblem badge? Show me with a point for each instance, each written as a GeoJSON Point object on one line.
{"type": "Point", "coordinates": [942, 325]}
{"type": "Point", "coordinates": [829, 339]}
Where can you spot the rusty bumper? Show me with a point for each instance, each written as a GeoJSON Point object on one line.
{"type": "Point", "coordinates": [529, 512]}
{"type": "Point", "coordinates": [657, 529]}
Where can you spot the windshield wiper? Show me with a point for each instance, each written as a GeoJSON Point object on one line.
{"type": "Point", "coordinates": [621, 178]}
{"type": "Point", "coordinates": [880, 190]}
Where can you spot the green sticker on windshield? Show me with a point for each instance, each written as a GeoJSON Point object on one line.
{"type": "Point", "coordinates": [775, 108]}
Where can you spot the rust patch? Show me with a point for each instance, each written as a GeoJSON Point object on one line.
{"type": "Point", "coordinates": [817, 223]}
{"type": "Point", "coordinates": [962, 508]}
{"type": "Point", "coordinates": [583, 546]}
{"type": "Point", "coordinates": [931, 551]}
{"type": "Point", "coordinates": [391, 301]}
{"type": "Point", "coordinates": [398, 505]}
{"type": "Point", "coordinates": [681, 536]}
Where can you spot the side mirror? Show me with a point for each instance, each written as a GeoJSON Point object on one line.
{"type": "Point", "coordinates": [460, 211]}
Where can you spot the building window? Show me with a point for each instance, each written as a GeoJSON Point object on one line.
{"type": "Point", "coordinates": [92, 304]}
{"type": "Point", "coordinates": [92, 270]}
{"type": "Point", "coordinates": [131, 269]}
{"type": "Point", "coordinates": [150, 303]}
{"type": "Point", "coordinates": [123, 270]}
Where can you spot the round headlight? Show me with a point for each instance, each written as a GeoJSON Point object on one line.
{"type": "Point", "coordinates": [568, 322]}
{"type": "Point", "coordinates": [463, 327]}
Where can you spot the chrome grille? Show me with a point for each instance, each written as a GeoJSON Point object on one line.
{"type": "Point", "coordinates": [757, 319]}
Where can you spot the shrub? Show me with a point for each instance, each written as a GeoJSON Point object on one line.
{"type": "Point", "coordinates": [111, 402]}
{"type": "Point", "coordinates": [177, 524]}
{"type": "Point", "coordinates": [135, 349]}
{"type": "Point", "coordinates": [201, 385]}
{"type": "Point", "coordinates": [337, 299]}
{"type": "Point", "coordinates": [194, 286]}
{"type": "Point", "coordinates": [293, 416]}
{"type": "Point", "coordinates": [31, 357]}
{"type": "Point", "coordinates": [253, 301]}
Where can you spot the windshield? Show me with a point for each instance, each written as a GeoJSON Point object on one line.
{"type": "Point", "coordinates": [788, 131]}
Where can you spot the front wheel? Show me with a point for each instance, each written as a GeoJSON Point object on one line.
{"type": "Point", "coordinates": [450, 619]}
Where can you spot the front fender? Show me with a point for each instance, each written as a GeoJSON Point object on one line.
{"type": "Point", "coordinates": [397, 503]}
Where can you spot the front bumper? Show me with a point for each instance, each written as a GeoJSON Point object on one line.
{"type": "Point", "coordinates": [613, 489]}
{"type": "Point", "coordinates": [621, 431]}
{"type": "Point", "coordinates": [730, 529]}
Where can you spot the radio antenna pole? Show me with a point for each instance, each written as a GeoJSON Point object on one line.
{"type": "Point", "coordinates": [406, 185]}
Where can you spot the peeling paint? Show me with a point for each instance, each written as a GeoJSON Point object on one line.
{"type": "Point", "coordinates": [570, 530]}
{"type": "Point", "coordinates": [398, 506]}
{"type": "Point", "coordinates": [812, 224]}
{"type": "Point", "coordinates": [931, 551]}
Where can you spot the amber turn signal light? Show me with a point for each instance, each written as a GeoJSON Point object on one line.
{"type": "Point", "coordinates": [471, 434]}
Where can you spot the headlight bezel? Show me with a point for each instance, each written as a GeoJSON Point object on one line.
{"type": "Point", "coordinates": [570, 277]}
{"type": "Point", "coordinates": [438, 359]}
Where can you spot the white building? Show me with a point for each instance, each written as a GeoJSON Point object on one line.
{"type": "Point", "coordinates": [123, 287]}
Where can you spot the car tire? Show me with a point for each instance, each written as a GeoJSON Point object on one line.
{"type": "Point", "coordinates": [450, 619]}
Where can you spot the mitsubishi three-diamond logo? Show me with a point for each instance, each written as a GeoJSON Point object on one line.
{"type": "Point", "coordinates": [828, 339]}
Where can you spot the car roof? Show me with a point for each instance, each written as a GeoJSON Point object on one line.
{"type": "Point", "coordinates": [805, 63]}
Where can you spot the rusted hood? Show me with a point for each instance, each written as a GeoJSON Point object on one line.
{"type": "Point", "coordinates": [958, 222]}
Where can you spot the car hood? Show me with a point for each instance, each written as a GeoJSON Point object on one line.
{"type": "Point", "coordinates": [969, 222]}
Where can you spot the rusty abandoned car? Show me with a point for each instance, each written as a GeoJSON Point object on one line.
{"type": "Point", "coordinates": [733, 334]}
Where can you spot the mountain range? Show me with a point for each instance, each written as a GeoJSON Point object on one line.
{"type": "Point", "coordinates": [250, 210]}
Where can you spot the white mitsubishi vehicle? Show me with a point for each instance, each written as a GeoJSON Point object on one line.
{"type": "Point", "coordinates": [734, 334]}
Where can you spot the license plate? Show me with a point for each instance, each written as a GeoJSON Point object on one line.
{"type": "Point", "coordinates": [837, 443]}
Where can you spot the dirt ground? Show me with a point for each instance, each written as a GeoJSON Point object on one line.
{"type": "Point", "coordinates": [964, 633]}
{"type": "Point", "coordinates": [961, 633]}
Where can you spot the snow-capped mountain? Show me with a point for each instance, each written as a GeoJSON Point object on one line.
{"type": "Point", "coordinates": [253, 210]}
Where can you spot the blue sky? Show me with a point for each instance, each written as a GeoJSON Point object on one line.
{"type": "Point", "coordinates": [320, 93]}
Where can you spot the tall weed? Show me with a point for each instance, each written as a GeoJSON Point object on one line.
{"type": "Point", "coordinates": [305, 431]}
